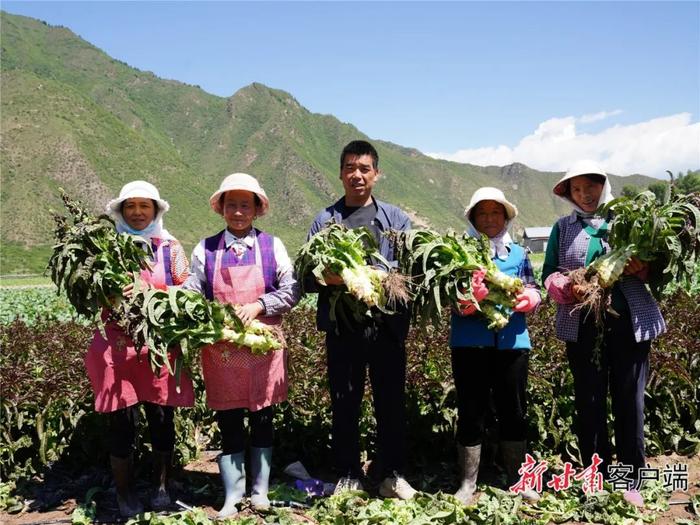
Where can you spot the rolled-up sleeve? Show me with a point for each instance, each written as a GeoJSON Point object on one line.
{"type": "Point", "coordinates": [287, 294]}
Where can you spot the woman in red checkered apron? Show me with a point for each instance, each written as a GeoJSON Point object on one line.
{"type": "Point", "coordinates": [121, 376]}
{"type": "Point", "coordinates": [250, 269]}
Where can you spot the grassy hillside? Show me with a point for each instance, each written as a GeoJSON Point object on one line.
{"type": "Point", "coordinates": [76, 118]}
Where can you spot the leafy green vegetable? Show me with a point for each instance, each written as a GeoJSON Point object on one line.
{"type": "Point", "coordinates": [667, 235]}
{"type": "Point", "coordinates": [92, 263]}
{"type": "Point", "coordinates": [163, 319]}
{"type": "Point", "coordinates": [441, 269]}
{"type": "Point", "coordinates": [350, 254]}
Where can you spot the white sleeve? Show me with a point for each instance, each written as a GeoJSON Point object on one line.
{"type": "Point", "coordinates": [198, 279]}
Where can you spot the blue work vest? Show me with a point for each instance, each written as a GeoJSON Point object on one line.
{"type": "Point", "coordinates": [471, 330]}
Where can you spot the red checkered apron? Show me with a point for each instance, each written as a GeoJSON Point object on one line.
{"type": "Point", "coordinates": [120, 377]}
{"type": "Point", "coordinates": [233, 377]}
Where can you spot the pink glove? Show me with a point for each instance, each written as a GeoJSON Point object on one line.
{"type": "Point", "coordinates": [558, 287]}
{"type": "Point", "coordinates": [479, 290]}
{"type": "Point", "coordinates": [528, 300]}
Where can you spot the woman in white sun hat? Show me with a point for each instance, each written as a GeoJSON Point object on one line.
{"type": "Point", "coordinates": [484, 360]}
{"type": "Point", "coordinates": [577, 240]}
{"type": "Point", "coordinates": [121, 379]}
{"type": "Point", "coordinates": [249, 268]}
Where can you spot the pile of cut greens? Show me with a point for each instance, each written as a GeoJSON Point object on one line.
{"type": "Point", "coordinates": [493, 506]}
{"type": "Point", "coordinates": [441, 268]}
{"type": "Point", "coordinates": [92, 263]}
{"type": "Point", "coordinates": [350, 254]}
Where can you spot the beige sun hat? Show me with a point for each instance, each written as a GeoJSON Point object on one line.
{"type": "Point", "coordinates": [582, 167]}
{"type": "Point", "coordinates": [487, 193]}
{"type": "Point", "coordinates": [240, 181]}
{"type": "Point", "coordinates": [137, 189]}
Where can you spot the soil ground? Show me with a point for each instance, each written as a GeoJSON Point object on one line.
{"type": "Point", "coordinates": [55, 497]}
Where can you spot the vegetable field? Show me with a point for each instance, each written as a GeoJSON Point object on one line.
{"type": "Point", "coordinates": [52, 450]}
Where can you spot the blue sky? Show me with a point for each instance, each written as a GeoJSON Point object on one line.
{"type": "Point", "coordinates": [489, 83]}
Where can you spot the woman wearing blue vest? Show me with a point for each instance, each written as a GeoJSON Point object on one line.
{"type": "Point", "coordinates": [576, 240]}
{"type": "Point", "coordinates": [485, 360]}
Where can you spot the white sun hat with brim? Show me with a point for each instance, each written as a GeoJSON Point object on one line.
{"type": "Point", "coordinates": [488, 193]}
{"type": "Point", "coordinates": [240, 181]}
{"type": "Point", "coordinates": [137, 189]}
{"type": "Point", "coordinates": [583, 167]}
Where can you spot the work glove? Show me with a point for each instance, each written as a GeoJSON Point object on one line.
{"type": "Point", "coordinates": [559, 289]}
{"type": "Point", "coordinates": [479, 290]}
{"type": "Point", "coordinates": [527, 300]}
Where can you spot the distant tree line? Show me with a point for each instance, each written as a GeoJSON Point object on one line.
{"type": "Point", "coordinates": [688, 183]}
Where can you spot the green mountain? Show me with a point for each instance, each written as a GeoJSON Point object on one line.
{"type": "Point", "coordinates": [73, 117]}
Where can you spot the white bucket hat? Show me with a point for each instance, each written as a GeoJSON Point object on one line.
{"type": "Point", "coordinates": [137, 189]}
{"type": "Point", "coordinates": [240, 181]}
{"type": "Point", "coordinates": [488, 193]}
{"type": "Point", "coordinates": [582, 167]}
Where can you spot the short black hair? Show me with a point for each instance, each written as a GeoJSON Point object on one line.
{"type": "Point", "coordinates": [359, 148]}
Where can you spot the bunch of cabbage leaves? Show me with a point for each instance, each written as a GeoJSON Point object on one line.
{"type": "Point", "coordinates": [352, 254]}
{"type": "Point", "coordinates": [666, 235]}
{"type": "Point", "coordinates": [440, 269]}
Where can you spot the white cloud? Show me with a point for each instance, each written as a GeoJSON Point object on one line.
{"type": "Point", "coordinates": [651, 147]}
{"type": "Point", "coordinates": [601, 115]}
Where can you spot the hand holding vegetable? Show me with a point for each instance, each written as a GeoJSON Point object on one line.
{"type": "Point", "coordinates": [479, 291]}
{"type": "Point", "coordinates": [332, 279]}
{"type": "Point", "coordinates": [248, 312]}
{"type": "Point", "coordinates": [96, 267]}
{"type": "Point", "coordinates": [527, 300]}
{"type": "Point", "coordinates": [636, 267]}
{"type": "Point", "coordinates": [579, 292]}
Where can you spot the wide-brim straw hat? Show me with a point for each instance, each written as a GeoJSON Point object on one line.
{"type": "Point", "coordinates": [240, 181]}
{"type": "Point", "coordinates": [582, 167]}
{"type": "Point", "coordinates": [488, 193]}
{"type": "Point", "coordinates": [137, 189]}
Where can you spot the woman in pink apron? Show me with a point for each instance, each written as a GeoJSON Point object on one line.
{"type": "Point", "coordinates": [121, 377]}
{"type": "Point", "coordinates": [250, 269]}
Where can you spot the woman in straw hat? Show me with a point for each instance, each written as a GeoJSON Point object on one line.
{"type": "Point", "coordinates": [121, 379]}
{"type": "Point", "coordinates": [576, 240]}
{"type": "Point", "coordinates": [484, 360]}
{"type": "Point", "coordinates": [250, 269]}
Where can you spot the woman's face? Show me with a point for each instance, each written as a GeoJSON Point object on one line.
{"type": "Point", "coordinates": [489, 217]}
{"type": "Point", "coordinates": [239, 211]}
{"type": "Point", "coordinates": [138, 212]}
{"type": "Point", "coordinates": [585, 192]}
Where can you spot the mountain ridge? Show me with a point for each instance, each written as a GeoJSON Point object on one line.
{"type": "Point", "coordinates": [72, 116]}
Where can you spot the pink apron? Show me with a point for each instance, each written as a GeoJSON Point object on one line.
{"type": "Point", "coordinates": [233, 377]}
{"type": "Point", "coordinates": [121, 377]}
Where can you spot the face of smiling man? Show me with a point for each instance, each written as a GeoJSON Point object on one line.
{"type": "Point", "coordinates": [359, 176]}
